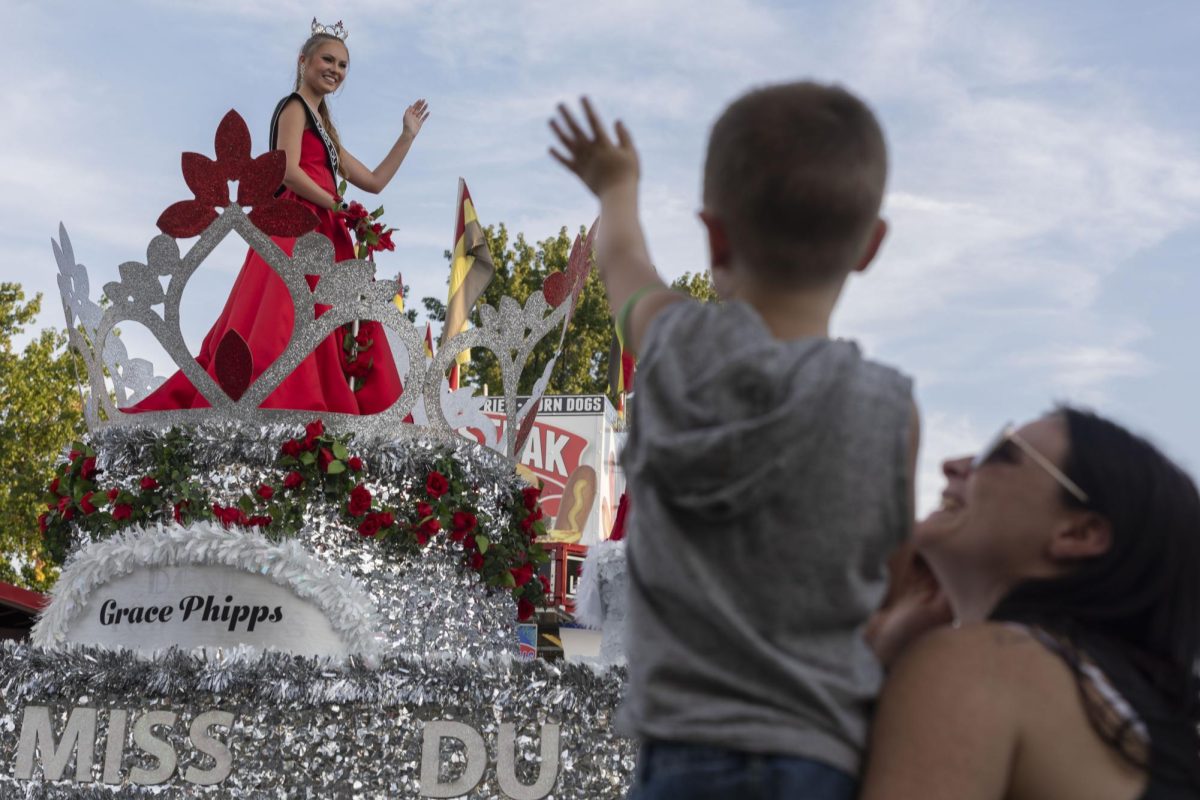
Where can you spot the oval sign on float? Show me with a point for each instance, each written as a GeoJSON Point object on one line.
{"type": "Point", "coordinates": [205, 587]}
{"type": "Point", "coordinates": [154, 608]}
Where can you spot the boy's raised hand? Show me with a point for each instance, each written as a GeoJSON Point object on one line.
{"type": "Point", "coordinates": [598, 161]}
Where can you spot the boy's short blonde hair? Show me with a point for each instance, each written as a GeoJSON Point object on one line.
{"type": "Point", "coordinates": [796, 173]}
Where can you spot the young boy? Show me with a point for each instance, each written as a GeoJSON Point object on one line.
{"type": "Point", "coordinates": [769, 467]}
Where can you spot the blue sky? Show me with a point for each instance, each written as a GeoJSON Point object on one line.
{"type": "Point", "coordinates": [1044, 197]}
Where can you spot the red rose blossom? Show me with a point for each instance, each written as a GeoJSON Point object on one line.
{"type": "Point", "coordinates": [436, 485]}
{"type": "Point", "coordinates": [68, 515]}
{"type": "Point", "coordinates": [292, 448]}
{"type": "Point", "coordinates": [431, 526]}
{"type": "Point", "coordinates": [470, 544]}
{"type": "Point", "coordinates": [354, 212]}
{"type": "Point", "coordinates": [54, 486]}
{"type": "Point", "coordinates": [464, 521]}
{"type": "Point", "coordinates": [358, 368]}
{"type": "Point", "coordinates": [113, 494]}
{"type": "Point", "coordinates": [148, 483]}
{"type": "Point", "coordinates": [293, 480]}
{"type": "Point", "coordinates": [231, 515]}
{"type": "Point", "coordinates": [260, 521]}
{"type": "Point", "coordinates": [85, 503]}
{"type": "Point", "coordinates": [530, 495]}
{"type": "Point", "coordinates": [88, 470]}
{"type": "Point", "coordinates": [314, 429]}
{"type": "Point", "coordinates": [385, 241]}
{"type": "Point", "coordinates": [369, 526]}
{"type": "Point", "coordinates": [386, 520]}
{"type": "Point", "coordinates": [524, 609]}
{"type": "Point", "coordinates": [122, 511]}
{"type": "Point", "coordinates": [265, 492]}
{"type": "Point", "coordinates": [475, 562]}
{"type": "Point", "coordinates": [360, 501]}
{"type": "Point", "coordinates": [355, 463]}
{"type": "Point", "coordinates": [324, 459]}
{"type": "Point", "coordinates": [424, 510]}
{"type": "Point", "coordinates": [74, 454]}
{"type": "Point", "coordinates": [63, 504]}
{"type": "Point", "coordinates": [522, 574]}
{"type": "Point", "coordinates": [527, 523]}
{"type": "Point", "coordinates": [177, 510]}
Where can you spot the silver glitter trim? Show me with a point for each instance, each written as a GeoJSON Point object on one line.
{"type": "Point", "coordinates": [511, 332]}
{"type": "Point", "coordinates": [602, 597]}
{"type": "Point", "coordinates": [309, 728]}
{"type": "Point", "coordinates": [132, 379]}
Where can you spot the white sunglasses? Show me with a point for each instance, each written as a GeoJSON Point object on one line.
{"type": "Point", "coordinates": [1009, 434]}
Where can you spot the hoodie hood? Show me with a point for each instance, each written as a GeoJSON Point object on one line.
{"type": "Point", "coordinates": [723, 413]}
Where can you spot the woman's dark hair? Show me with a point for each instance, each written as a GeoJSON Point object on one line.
{"type": "Point", "coordinates": [1133, 611]}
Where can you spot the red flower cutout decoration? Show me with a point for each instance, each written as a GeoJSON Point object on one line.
{"type": "Point", "coordinates": [555, 288]}
{"type": "Point", "coordinates": [558, 286]}
{"type": "Point", "coordinates": [526, 427]}
{"type": "Point", "coordinates": [257, 179]}
{"type": "Point", "coordinates": [234, 365]}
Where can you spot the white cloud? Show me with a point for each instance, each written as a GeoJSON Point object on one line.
{"type": "Point", "coordinates": [1024, 180]}
{"type": "Point", "coordinates": [1079, 370]}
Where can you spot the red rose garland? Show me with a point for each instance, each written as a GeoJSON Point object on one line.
{"type": "Point", "coordinates": [503, 556]}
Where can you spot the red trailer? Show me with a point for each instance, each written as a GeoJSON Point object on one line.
{"type": "Point", "coordinates": [18, 609]}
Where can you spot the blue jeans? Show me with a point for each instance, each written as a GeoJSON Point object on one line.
{"type": "Point", "coordinates": [671, 771]}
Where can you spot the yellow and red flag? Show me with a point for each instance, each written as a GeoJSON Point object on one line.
{"type": "Point", "coordinates": [621, 366]}
{"type": "Point", "coordinates": [398, 300]}
{"type": "Point", "coordinates": [471, 270]}
{"type": "Point", "coordinates": [428, 341]}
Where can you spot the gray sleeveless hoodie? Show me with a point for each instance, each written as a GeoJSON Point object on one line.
{"type": "Point", "coordinates": [768, 483]}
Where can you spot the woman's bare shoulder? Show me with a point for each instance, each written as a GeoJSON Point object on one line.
{"type": "Point", "coordinates": [993, 646]}
{"type": "Point", "coordinates": [292, 110]}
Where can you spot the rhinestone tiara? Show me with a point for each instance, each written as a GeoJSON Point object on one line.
{"type": "Point", "coordinates": [337, 29]}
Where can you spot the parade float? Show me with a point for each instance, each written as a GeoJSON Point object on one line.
{"type": "Point", "coordinates": [258, 602]}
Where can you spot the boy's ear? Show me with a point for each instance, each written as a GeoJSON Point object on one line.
{"type": "Point", "coordinates": [1084, 535]}
{"type": "Point", "coordinates": [873, 243]}
{"type": "Point", "coordinates": [719, 253]}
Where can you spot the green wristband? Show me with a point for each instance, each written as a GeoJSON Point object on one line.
{"type": "Point", "coordinates": [623, 314]}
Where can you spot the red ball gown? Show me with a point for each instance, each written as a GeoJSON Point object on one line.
{"type": "Point", "coordinates": [260, 309]}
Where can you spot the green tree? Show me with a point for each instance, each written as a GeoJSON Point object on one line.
{"type": "Point", "coordinates": [40, 412]}
{"type": "Point", "coordinates": [521, 268]}
{"type": "Point", "coordinates": [698, 286]}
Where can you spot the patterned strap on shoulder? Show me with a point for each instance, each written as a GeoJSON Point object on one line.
{"type": "Point", "coordinates": [1097, 681]}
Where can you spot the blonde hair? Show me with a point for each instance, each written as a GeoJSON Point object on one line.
{"type": "Point", "coordinates": [306, 50]}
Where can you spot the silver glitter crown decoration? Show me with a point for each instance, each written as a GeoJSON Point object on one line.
{"type": "Point", "coordinates": [337, 29]}
{"type": "Point", "coordinates": [510, 331]}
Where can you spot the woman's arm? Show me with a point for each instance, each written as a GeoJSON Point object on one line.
{"type": "Point", "coordinates": [374, 180]}
{"type": "Point", "coordinates": [947, 723]}
{"type": "Point", "coordinates": [291, 130]}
